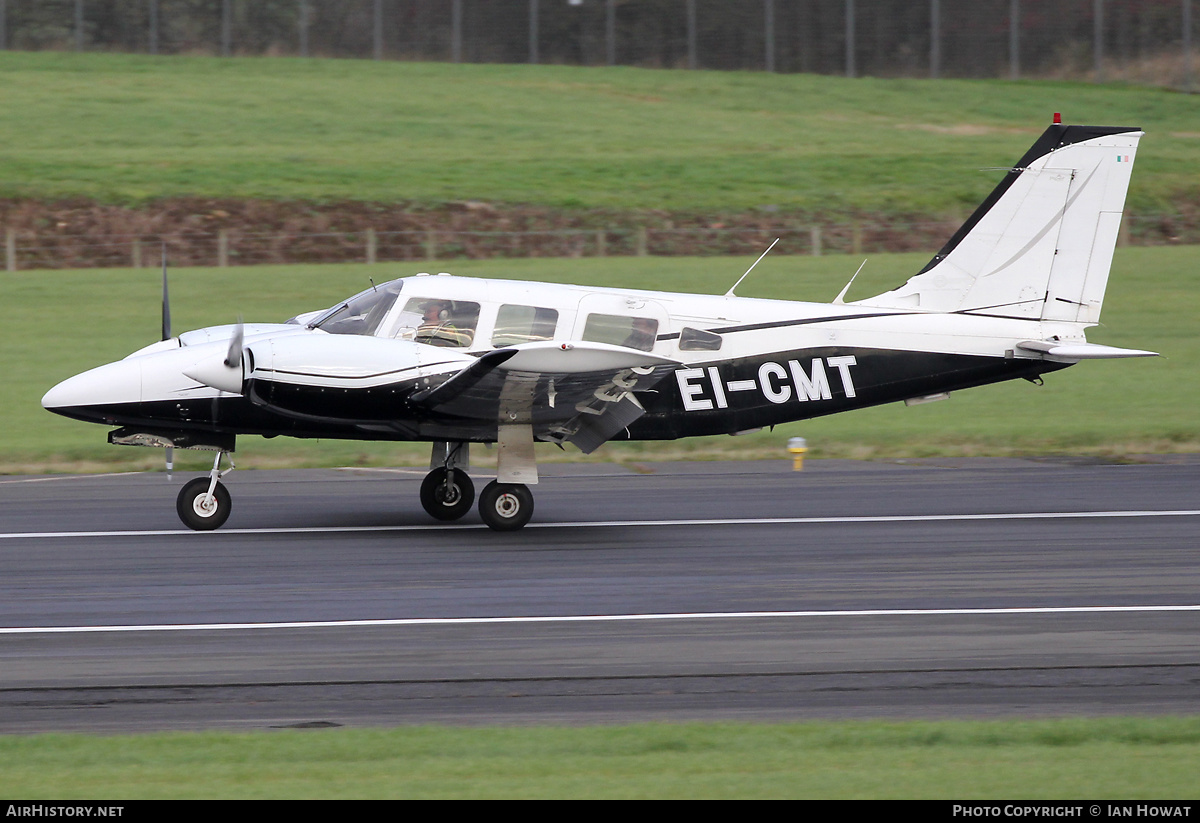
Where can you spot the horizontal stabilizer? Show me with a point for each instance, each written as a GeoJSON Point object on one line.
{"type": "Point", "coordinates": [1074, 352]}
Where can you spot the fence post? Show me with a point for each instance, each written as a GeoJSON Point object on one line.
{"type": "Point", "coordinates": [78, 25]}
{"type": "Point", "coordinates": [935, 39]}
{"type": "Point", "coordinates": [856, 237]}
{"type": "Point", "coordinates": [533, 31]}
{"type": "Point", "coordinates": [10, 249]}
{"type": "Point", "coordinates": [456, 32]}
{"type": "Point", "coordinates": [769, 33]}
{"type": "Point", "coordinates": [152, 28]}
{"type": "Point", "coordinates": [1187, 45]}
{"type": "Point", "coordinates": [431, 245]}
{"type": "Point", "coordinates": [137, 252]}
{"type": "Point", "coordinates": [302, 23]}
{"type": "Point", "coordinates": [601, 243]}
{"type": "Point", "coordinates": [377, 26]}
{"type": "Point", "coordinates": [371, 245]}
{"type": "Point", "coordinates": [851, 67]}
{"type": "Point", "coordinates": [222, 248]}
{"type": "Point", "coordinates": [691, 33]}
{"type": "Point", "coordinates": [815, 240]}
{"type": "Point", "coordinates": [1014, 39]}
{"type": "Point", "coordinates": [610, 32]}
{"type": "Point", "coordinates": [642, 241]}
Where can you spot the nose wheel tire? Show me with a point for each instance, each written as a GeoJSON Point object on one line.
{"type": "Point", "coordinates": [505, 507]}
{"type": "Point", "coordinates": [199, 511]}
{"type": "Point", "coordinates": [447, 501]}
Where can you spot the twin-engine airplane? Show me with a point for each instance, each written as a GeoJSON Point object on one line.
{"type": "Point", "coordinates": [455, 361]}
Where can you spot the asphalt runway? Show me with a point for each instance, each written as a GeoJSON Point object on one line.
{"type": "Point", "coordinates": [706, 591]}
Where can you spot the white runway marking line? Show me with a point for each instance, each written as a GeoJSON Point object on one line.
{"type": "Point", "coordinates": [599, 524]}
{"type": "Point", "coordinates": [66, 477]}
{"type": "Point", "coordinates": [590, 618]}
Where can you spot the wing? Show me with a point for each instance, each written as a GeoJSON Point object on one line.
{"type": "Point", "coordinates": [576, 392]}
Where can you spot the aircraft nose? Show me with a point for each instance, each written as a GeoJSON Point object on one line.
{"type": "Point", "coordinates": [119, 382]}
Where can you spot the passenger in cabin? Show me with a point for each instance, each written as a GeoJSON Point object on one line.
{"type": "Point", "coordinates": [642, 333]}
{"type": "Point", "coordinates": [437, 326]}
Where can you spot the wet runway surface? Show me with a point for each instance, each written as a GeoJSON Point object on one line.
{"type": "Point", "coordinates": [979, 588]}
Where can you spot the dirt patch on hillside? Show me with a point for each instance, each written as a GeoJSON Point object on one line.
{"type": "Point", "coordinates": [207, 232]}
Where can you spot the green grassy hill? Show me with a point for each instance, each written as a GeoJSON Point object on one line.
{"type": "Point", "coordinates": [128, 129]}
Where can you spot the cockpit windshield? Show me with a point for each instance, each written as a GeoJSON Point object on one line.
{"type": "Point", "coordinates": [362, 313]}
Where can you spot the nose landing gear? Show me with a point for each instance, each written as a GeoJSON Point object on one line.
{"type": "Point", "coordinates": [203, 504]}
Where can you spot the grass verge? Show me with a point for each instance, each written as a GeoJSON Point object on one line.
{"type": "Point", "coordinates": [1090, 759]}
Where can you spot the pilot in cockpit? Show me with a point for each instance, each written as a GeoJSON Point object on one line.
{"type": "Point", "coordinates": [437, 326]}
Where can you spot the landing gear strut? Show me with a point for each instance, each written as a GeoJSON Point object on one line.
{"type": "Point", "coordinates": [447, 492]}
{"type": "Point", "coordinates": [204, 503]}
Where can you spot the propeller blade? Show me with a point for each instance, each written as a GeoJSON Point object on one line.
{"type": "Point", "coordinates": [234, 358]}
{"type": "Point", "coordinates": [166, 300]}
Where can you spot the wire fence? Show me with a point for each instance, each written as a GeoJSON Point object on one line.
{"type": "Point", "coordinates": [25, 250]}
{"type": "Point", "coordinates": [1145, 41]}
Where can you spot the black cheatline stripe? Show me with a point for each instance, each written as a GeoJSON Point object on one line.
{"type": "Point", "coordinates": [776, 324]}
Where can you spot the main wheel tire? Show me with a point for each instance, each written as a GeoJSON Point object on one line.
{"type": "Point", "coordinates": [447, 502]}
{"type": "Point", "coordinates": [505, 507]}
{"type": "Point", "coordinates": [198, 513]}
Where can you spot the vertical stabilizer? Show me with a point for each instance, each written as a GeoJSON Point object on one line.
{"type": "Point", "coordinates": [1040, 246]}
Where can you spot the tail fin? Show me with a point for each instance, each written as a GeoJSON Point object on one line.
{"type": "Point", "coordinates": [1040, 246]}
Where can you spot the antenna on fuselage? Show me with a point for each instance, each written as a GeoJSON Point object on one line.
{"type": "Point", "coordinates": [752, 265]}
{"type": "Point", "coordinates": [842, 294]}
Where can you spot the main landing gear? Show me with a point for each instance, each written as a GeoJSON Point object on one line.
{"type": "Point", "coordinates": [447, 492]}
{"type": "Point", "coordinates": [505, 507]}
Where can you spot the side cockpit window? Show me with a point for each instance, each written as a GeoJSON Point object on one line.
{"type": "Point", "coordinates": [523, 324]}
{"type": "Point", "coordinates": [438, 322]}
{"type": "Point", "coordinates": [631, 332]}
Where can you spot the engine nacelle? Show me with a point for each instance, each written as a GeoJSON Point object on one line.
{"type": "Point", "coordinates": [352, 377]}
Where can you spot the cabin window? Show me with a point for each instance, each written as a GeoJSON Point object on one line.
{"type": "Point", "coordinates": [523, 324]}
{"type": "Point", "coordinates": [631, 332]}
{"type": "Point", "coordinates": [439, 322]}
{"type": "Point", "coordinates": [699, 340]}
